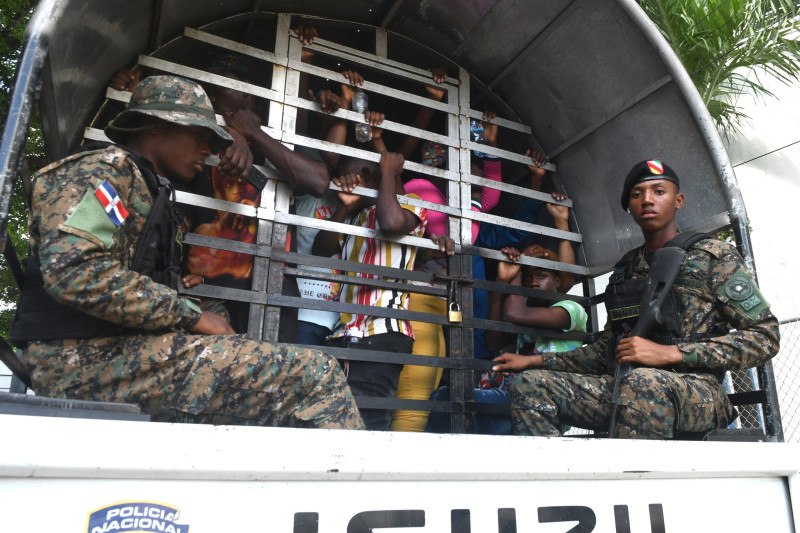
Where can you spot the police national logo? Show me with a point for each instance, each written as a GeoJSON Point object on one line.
{"type": "Point", "coordinates": [135, 516]}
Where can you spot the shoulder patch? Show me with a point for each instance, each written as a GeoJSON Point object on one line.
{"type": "Point", "coordinates": [744, 295]}
{"type": "Point", "coordinates": [111, 202]}
{"type": "Point", "coordinates": [739, 288]}
{"type": "Point", "coordinates": [90, 217]}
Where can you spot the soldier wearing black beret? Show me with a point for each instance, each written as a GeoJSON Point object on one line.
{"type": "Point", "coordinates": [717, 321]}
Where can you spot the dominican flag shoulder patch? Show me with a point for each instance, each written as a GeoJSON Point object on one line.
{"type": "Point", "coordinates": [655, 166]}
{"type": "Point", "coordinates": [111, 203]}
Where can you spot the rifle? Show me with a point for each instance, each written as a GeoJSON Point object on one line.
{"type": "Point", "coordinates": [664, 268]}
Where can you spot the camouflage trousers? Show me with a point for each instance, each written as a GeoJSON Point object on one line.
{"type": "Point", "coordinates": [653, 403]}
{"type": "Point", "coordinates": [216, 379]}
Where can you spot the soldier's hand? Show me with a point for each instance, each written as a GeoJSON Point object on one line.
{"type": "Point", "coordinates": [643, 352]}
{"type": "Point", "coordinates": [511, 363]}
{"type": "Point", "coordinates": [212, 324]}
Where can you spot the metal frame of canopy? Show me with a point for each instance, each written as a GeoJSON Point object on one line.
{"type": "Point", "coordinates": [593, 80]}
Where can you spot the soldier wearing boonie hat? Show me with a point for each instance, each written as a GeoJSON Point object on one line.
{"type": "Point", "coordinates": [171, 99]}
{"type": "Point", "coordinates": [100, 317]}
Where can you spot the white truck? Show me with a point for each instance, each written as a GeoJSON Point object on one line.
{"type": "Point", "coordinates": [590, 83]}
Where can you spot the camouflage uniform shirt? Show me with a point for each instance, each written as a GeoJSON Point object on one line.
{"type": "Point", "coordinates": [715, 292]}
{"type": "Point", "coordinates": [85, 257]}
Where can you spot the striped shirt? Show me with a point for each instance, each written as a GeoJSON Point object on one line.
{"type": "Point", "coordinates": [371, 251]}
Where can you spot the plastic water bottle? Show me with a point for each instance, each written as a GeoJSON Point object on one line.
{"type": "Point", "coordinates": [359, 104]}
{"type": "Point", "coordinates": [476, 134]}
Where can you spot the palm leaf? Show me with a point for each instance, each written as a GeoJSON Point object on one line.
{"type": "Point", "coordinates": [728, 45]}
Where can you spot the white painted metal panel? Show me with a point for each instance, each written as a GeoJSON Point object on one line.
{"type": "Point", "coordinates": [264, 479]}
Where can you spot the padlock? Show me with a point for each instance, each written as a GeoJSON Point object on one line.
{"type": "Point", "coordinates": [454, 314]}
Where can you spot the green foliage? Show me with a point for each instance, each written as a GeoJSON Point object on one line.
{"type": "Point", "coordinates": [726, 45]}
{"type": "Point", "coordinates": [14, 16]}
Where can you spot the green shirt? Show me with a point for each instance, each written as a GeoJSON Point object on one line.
{"type": "Point", "coordinates": [577, 322]}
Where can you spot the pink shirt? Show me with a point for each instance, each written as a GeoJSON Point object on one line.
{"type": "Point", "coordinates": [437, 221]}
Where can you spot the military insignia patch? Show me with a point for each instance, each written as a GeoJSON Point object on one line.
{"type": "Point", "coordinates": [739, 288]}
{"type": "Point", "coordinates": [655, 166]}
{"type": "Point", "coordinates": [108, 198]}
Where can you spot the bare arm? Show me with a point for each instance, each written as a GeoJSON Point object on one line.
{"type": "Point", "coordinates": [425, 114]}
{"type": "Point", "coordinates": [515, 306]}
{"type": "Point", "coordinates": [507, 272]}
{"type": "Point", "coordinates": [516, 310]}
{"type": "Point", "coordinates": [304, 174]}
{"type": "Point", "coordinates": [513, 363]}
{"type": "Point", "coordinates": [566, 254]}
{"type": "Point", "coordinates": [337, 134]}
{"type": "Point", "coordinates": [326, 243]}
{"type": "Point", "coordinates": [392, 218]}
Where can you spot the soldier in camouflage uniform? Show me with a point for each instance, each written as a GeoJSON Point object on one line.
{"type": "Point", "coordinates": [725, 322]}
{"type": "Point", "coordinates": [85, 245]}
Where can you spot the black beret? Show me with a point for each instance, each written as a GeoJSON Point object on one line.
{"type": "Point", "coordinates": [652, 169]}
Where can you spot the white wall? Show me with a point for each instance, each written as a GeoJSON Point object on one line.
{"type": "Point", "coordinates": [770, 186]}
{"type": "Point", "coordinates": [767, 166]}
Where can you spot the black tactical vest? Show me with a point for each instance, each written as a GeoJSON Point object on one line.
{"type": "Point", "coordinates": [158, 255]}
{"type": "Point", "coordinates": [623, 298]}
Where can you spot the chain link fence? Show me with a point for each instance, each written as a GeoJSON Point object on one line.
{"type": "Point", "coordinates": [786, 366]}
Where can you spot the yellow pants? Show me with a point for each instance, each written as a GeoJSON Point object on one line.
{"type": "Point", "coordinates": [418, 382]}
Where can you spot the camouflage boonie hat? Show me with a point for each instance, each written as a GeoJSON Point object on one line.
{"type": "Point", "coordinates": [172, 99]}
